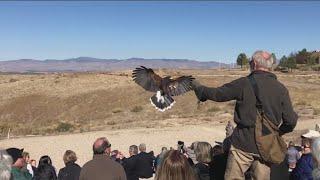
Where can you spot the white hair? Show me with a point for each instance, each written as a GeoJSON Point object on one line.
{"type": "Point", "coordinates": [142, 147]}
{"type": "Point", "coordinates": [5, 165]}
{"type": "Point", "coordinates": [316, 149]}
{"type": "Point", "coordinates": [259, 57]}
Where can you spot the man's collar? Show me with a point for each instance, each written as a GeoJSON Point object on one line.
{"type": "Point", "coordinates": [101, 156]}
{"type": "Point", "coordinates": [267, 73]}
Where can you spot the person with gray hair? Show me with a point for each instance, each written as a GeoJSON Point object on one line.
{"type": "Point", "coordinates": [102, 167]}
{"type": "Point", "coordinates": [142, 147]}
{"type": "Point", "coordinates": [130, 163]}
{"type": "Point", "coordinates": [316, 155]}
{"type": "Point", "coordinates": [144, 163]}
{"type": "Point", "coordinates": [274, 101]}
{"type": "Point", "coordinates": [5, 165]}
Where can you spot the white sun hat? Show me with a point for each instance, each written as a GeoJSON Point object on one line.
{"type": "Point", "coordinates": [311, 134]}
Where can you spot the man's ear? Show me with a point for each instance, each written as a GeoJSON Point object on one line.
{"type": "Point", "coordinates": [108, 150]}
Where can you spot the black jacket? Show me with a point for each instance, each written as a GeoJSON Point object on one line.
{"type": "Point", "coordinates": [275, 100]}
{"type": "Point", "coordinates": [203, 171]}
{"type": "Point", "coordinates": [45, 172]}
{"type": "Point", "coordinates": [145, 165]}
{"type": "Point", "coordinates": [70, 172]}
{"type": "Point", "coordinates": [219, 164]}
{"type": "Point", "coordinates": [129, 165]}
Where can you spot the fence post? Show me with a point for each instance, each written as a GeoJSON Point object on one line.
{"type": "Point", "coordinates": [9, 133]}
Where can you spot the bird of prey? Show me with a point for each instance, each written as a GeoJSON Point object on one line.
{"type": "Point", "coordinates": [165, 87]}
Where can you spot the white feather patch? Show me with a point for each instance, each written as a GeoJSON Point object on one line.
{"type": "Point", "coordinates": [162, 110]}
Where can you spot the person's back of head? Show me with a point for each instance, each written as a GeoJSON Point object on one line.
{"type": "Point", "coordinates": [45, 160]}
{"type": "Point", "coordinates": [261, 60]}
{"type": "Point", "coordinates": [69, 157]}
{"type": "Point", "coordinates": [45, 172]}
{"type": "Point", "coordinates": [164, 149]}
{"type": "Point", "coordinates": [142, 147]}
{"type": "Point", "coordinates": [291, 144]}
{"type": "Point", "coordinates": [217, 149]}
{"type": "Point", "coordinates": [194, 145]}
{"type": "Point", "coordinates": [203, 152]}
{"type": "Point", "coordinates": [101, 146]}
{"type": "Point", "coordinates": [175, 166]}
{"type": "Point", "coordinates": [5, 165]}
{"type": "Point", "coordinates": [133, 150]}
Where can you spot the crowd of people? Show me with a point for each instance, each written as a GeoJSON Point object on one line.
{"type": "Point", "coordinates": [199, 161]}
{"type": "Point", "coordinates": [253, 149]}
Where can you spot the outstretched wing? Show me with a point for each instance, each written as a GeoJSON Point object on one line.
{"type": "Point", "coordinates": [147, 79]}
{"type": "Point", "coordinates": [180, 85]}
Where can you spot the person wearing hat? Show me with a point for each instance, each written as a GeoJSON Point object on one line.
{"type": "Point", "coordinates": [305, 164]}
{"type": "Point", "coordinates": [17, 164]}
{"type": "Point", "coordinates": [311, 134]}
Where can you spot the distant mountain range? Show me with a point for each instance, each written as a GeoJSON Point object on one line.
{"type": "Point", "coordinates": [88, 64]}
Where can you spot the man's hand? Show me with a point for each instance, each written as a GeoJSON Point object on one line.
{"type": "Point", "coordinates": [198, 90]}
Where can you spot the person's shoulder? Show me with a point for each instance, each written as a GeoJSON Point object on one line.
{"type": "Point", "coordinates": [117, 167]}
{"type": "Point", "coordinates": [62, 170]}
{"type": "Point", "coordinates": [88, 164]}
{"type": "Point", "coordinates": [240, 80]}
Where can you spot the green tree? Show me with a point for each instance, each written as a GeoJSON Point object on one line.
{"type": "Point", "coordinates": [311, 60]}
{"type": "Point", "coordinates": [242, 60]}
{"type": "Point", "coordinates": [291, 63]}
{"type": "Point", "coordinates": [283, 61]}
{"type": "Point", "coordinates": [302, 56]}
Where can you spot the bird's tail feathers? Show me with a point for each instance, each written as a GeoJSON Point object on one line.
{"type": "Point", "coordinates": [162, 102]}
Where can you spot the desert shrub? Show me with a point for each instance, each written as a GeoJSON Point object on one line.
{"type": "Point", "coordinates": [316, 111]}
{"type": "Point", "coordinates": [4, 128]}
{"type": "Point", "coordinates": [13, 80]}
{"type": "Point", "coordinates": [301, 103]}
{"type": "Point", "coordinates": [82, 130]}
{"type": "Point", "coordinates": [214, 109]}
{"type": "Point", "coordinates": [111, 123]}
{"type": "Point", "coordinates": [64, 127]}
{"type": "Point", "coordinates": [116, 110]}
{"type": "Point", "coordinates": [137, 109]}
{"type": "Point", "coordinates": [316, 67]}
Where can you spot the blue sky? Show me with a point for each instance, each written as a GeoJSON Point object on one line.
{"type": "Point", "coordinates": [207, 30]}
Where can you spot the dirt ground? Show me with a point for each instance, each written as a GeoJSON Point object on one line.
{"type": "Point", "coordinates": [50, 113]}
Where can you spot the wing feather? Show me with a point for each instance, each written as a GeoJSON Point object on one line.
{"type": "Point", "coordinates": [146, 78]}
{"type": "Point", "coordinates": [179, 85]}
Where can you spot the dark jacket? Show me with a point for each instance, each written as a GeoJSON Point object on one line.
{"type": "Point", "coordinates": [145, 165]}
{"type": "Point", "coordinates": [101, 167]}
{"type": "Point", "coordinates": [70, 172]}
{"type": "Point", "coordinates": [203, 171]}
{"type": "Point", "coordinates": [130, 165]}
{"type": "Point", "coordinates": [280, 171]}
{"type": "Point", "coordinates": [219, 165]}
{"type": "Point", "coordinates": [275, 100]}
{"type": "Point", "coordinates": [304, 168]}
{"type": "Point", "coordinates": [45, 172]}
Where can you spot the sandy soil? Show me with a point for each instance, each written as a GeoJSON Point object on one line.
{"type": "Point", "coordinates": [81, 143]}
{"type": "Point", "coordinates": [37, 104]}
{"type": "Point", "coordinates": [154, 138]}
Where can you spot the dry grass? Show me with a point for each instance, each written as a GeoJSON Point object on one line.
{"type": "Point", "coordinates": [37, 104]}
